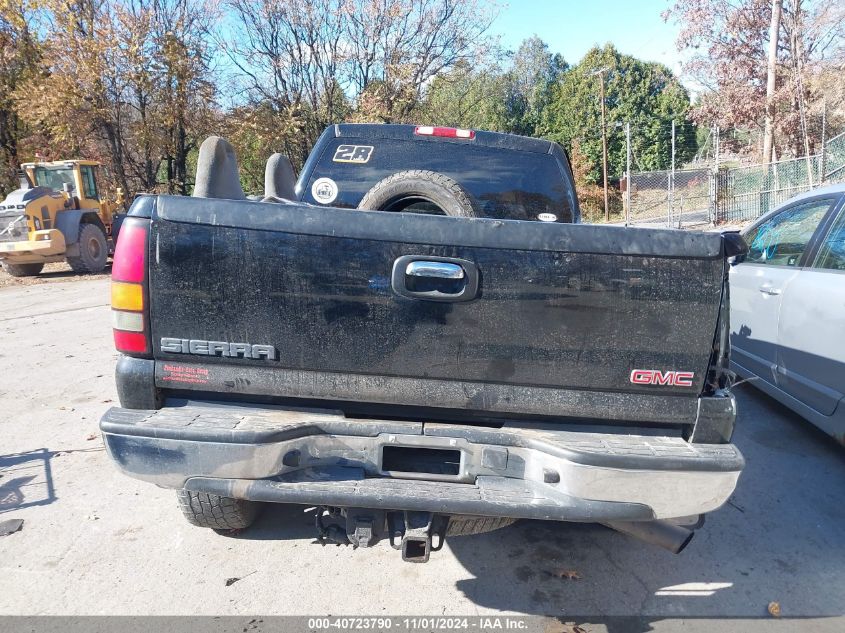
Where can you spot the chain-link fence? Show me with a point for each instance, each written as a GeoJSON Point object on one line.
{"type": "Point", "coordinates": [713, 194]}
{"type": "Point", "coordinates": [746, 193]}
{"type": "Point", "coordinates": [833, 159]}
{"type": "Point", "coordinates": [671, 199]}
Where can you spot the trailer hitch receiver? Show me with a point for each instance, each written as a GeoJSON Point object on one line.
{"type": "Point", "coordinates": [421, 534]}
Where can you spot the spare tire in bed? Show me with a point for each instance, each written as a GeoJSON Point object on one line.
{"type": "Point", "coordinates": [420, 191]}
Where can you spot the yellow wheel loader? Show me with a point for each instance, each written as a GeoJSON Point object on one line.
{"type": "Point", "coordinates": [57, 214]}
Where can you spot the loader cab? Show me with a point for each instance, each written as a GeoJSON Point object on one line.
{"type": "Point", "coordinates": [78, 176]}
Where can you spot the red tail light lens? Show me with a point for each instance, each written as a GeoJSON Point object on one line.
{"type": "Point", "coordinates": [130, 254]}
{"type": "Point", "coordinates": [130, 305]}
{"type": "Point", "coordinates": [131, 342]}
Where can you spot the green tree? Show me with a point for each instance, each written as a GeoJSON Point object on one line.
{"type": "Point", "coordinates": [184, 92]}
{"type": "Point", "coordinates": [311, 60]}
{"type": "Point", "coordinates": [506, 92]}
{"type": "Point", "coordinates": [467, 96]}
{"type": "Point", "coordinates": [530, 82]}
{"type": "Point", "coordinates": [19, 55]}
{"type": "Point", "coordinates": [644, 94]}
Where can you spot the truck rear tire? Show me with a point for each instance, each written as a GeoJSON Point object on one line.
{"type": "Point", "coordinates": [22, 270]}
{"type": "Point", "coordinates": [467, 525]}
{"type": "Point", "coordinates": [93, 250]}
{"type": "Point", "coordinates": [216, 512]}
{"type": "Point", "coordinates": [420, 191]}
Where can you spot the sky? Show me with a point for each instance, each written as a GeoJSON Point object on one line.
{"type": "Point", "coordinates": [572, 27]}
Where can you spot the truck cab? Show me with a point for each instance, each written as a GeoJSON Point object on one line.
{"type": "Point", "coordinates": [507, 177]}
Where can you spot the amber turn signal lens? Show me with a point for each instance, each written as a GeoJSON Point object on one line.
{"type": "Point", "coordinates": [125, 296]}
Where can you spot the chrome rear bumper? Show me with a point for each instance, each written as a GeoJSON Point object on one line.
{"type": "Point", "coordinates": [323, 458]}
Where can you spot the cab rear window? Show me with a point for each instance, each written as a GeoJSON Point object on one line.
{"type": "Point", "coordinates": [506, 184]}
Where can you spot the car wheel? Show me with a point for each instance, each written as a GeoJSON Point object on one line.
{"type": "Point", "coordinates": [216, 512]}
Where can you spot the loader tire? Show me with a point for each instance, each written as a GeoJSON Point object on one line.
{"type": "Point", "coordinates": [216, 512]}
{"type": "Point", "coordinates": [22, 270]}
{"type": "Point", "coordinates": [93, 250]}
{"type": "Point", "coordinates": [467, 525]}
{"type": "Point", "coordinates": [420, 191]}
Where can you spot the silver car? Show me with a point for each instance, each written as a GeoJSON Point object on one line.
{"type": "Point", "coordinates": [788, 307]}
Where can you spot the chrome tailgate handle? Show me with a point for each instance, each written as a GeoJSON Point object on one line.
{"type": "Point", "coordinates": [430, 278]}
{"type": "Point", "coordinates": [437, 270]}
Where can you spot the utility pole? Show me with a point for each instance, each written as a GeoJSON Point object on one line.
{"type": "Point", "coordinates": [604, 153]}
{"type": "Point", "coordinates": [671, 210]}
{"type": "Point", "coordinates": [600, 72]}
{"type": "Point", "coordinates": [716, 150]}
{"type": "Point", "coordinates": [715, 187]}
{"type": "Point", "coordinates": [823, 159]}
{"type": "Point", "coordinates": [628, 183]}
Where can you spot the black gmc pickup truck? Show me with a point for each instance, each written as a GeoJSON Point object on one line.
{"type": "Point", "coordinates": [479, 358]}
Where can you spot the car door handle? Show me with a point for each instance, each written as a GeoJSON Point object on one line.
{"type": "Point", "coordinates": [435, 278]}
{"type": "Point", "coordinates": [768, 289]}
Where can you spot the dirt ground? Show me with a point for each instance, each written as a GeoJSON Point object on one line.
{"type": "Point", "coordinates": [97, 542]}
{"type": "Point", "coordinates": [58, 271]}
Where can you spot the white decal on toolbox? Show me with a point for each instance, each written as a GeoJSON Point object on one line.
{"type": "Point", "coordinates": [324, 190]}
{"type": "Point", "coordinates": [547, 217]}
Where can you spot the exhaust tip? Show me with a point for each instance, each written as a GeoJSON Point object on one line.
{"type": "Point", "coordinates": [685, 542]}
{"type": "Point", "coordinates": [662, 533]}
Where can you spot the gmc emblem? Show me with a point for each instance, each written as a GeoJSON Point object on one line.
{"type": "Point", "coordinates": [657, 377]}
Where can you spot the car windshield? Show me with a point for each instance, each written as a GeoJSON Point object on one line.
{"type": "Point", "coordinates": [54, 177]}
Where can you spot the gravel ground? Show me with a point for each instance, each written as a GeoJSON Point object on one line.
{"type": "Point", "coordinates": [97, 542]}
{"type": "Point", "coordinates": [52, 273]}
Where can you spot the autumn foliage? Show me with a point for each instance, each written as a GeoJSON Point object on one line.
{"type": "Point", "coordinates": [138, 84]}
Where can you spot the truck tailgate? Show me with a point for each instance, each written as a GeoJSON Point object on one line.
{"type": "Point", "coordinates": [561, 320]}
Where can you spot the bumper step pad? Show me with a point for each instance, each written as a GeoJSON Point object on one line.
{"type": "Point", "coordinates": [243, 425]}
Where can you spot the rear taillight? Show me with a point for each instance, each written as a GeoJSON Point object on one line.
{"type": "Point", "coordinates": [444, 132]}
{"type": "Point", "coordinates": [129, 297]}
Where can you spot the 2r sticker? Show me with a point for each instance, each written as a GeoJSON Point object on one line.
{"type": "Point", "coordinates": [358, 154]}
